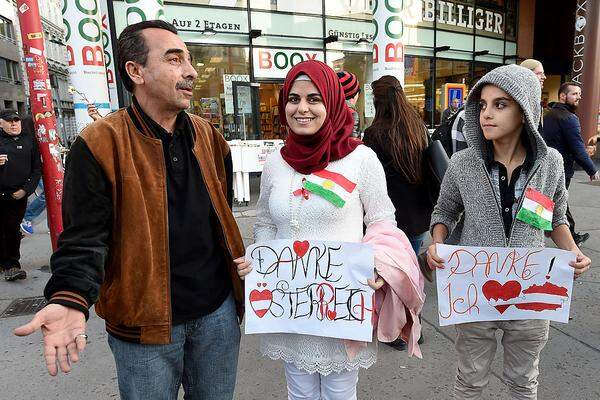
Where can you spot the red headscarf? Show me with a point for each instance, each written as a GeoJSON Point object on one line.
{"type": "Point", "coordinates": [311, 153]}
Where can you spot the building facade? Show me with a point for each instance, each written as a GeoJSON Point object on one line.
{"type": "Point", "coordinates": [12, 87]}
{"type": "Point", "coordinates": [242, 50]}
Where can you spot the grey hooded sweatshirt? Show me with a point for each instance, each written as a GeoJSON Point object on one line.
{"type": "Point", "coordinates": [468, 187]}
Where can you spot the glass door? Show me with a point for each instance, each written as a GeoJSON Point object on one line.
{"type": "Point", "coordinates": [245, 110]}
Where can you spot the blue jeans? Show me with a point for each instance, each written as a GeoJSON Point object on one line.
{"type": "Point", "coordinates": [35, 208]}
{"type": "Point", "coordinates": [202, 355]}
{"type": "Point", "coordinates": [417, 241]}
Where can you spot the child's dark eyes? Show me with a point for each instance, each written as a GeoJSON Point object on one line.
{"type": "Point", "coordinates": [499, 105]}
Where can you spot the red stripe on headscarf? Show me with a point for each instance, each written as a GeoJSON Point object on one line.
{"type": "Point", "coordinates": [311, 153]}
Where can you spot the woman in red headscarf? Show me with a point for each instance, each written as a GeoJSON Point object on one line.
{"type": "Point", "coordinates": [319, 144]}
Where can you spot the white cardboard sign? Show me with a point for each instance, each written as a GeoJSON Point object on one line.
{"type": "Point", "coordinates": [310, 287]}
{"type": "Point", "coordinates": [501, 283]}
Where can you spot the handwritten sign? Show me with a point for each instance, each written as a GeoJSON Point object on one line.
{"type": "Point", "coordinates": [491, 284]}
{"type": "Point", "coordinates": [310, 287]}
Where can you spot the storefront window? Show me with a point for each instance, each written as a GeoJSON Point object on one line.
{"type": "Point", "coordinates": [218, 68]}
{"type": "Point", "coordinates": [362, 9]}
{"type": "Point", "coordinates": [361, 65]}
{"type": "Point", "coordinates": [480, 69]}
{"type": "Point", "coordinates": [449, 73]}
{"type": "Point", "coordinates": [270, 124]}
{"type": "Point", "coordinates": [417, 85]}
{"type": "Point", "coordinates": [511, 19]}
{"type": "Point", "coordinates": [304, 6]}
{"type": "Point", "coordinates": [220, 3]}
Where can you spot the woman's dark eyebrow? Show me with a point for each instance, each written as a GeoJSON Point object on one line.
{"type": "Point", "coordinates": [313, 94]}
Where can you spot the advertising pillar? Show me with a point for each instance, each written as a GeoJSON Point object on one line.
{"type": "Point", "coordinates": [85, 54]}
{"type": "Point", "coordinates": [144, 10]}
{"type": "Point", "coordinates": [42, 111]}
{"type": "Point", "coordinates": [109, 59]}
{"type": "Point", "coordinates": [388, 48]}
{"type": "Point", "coordinates": [586, 64]}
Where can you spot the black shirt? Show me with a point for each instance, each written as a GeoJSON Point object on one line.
{"type": "Point", "coordinates": [199, 279]}
{"type": "Point", "coordinates": [507, 188]}
{"type": "Point", "coordinates": [412, 201]}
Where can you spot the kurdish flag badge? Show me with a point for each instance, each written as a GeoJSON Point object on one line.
{"type": "Point", "coordinates": [333, 187]}
{"type": "Point", "coordinates": [536, 210]}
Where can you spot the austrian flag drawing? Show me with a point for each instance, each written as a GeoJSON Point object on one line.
{"type": "Point", "coordinates": [537, 210]}
{"type": "Point", "coordinates": [333, 187]}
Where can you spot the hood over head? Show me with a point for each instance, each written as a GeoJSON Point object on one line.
{"type": "Point", "coordinates": [524, 87]}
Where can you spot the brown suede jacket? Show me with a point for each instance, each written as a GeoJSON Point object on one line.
{"type": "Point", "coordinates": [120, 259]}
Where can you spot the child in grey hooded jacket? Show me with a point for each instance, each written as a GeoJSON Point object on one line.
{"type": "Point", "coordinates": [487, 182]}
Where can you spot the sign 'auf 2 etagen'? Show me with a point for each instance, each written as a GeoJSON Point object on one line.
{"type": "Point", "coordinates": [310, 287]}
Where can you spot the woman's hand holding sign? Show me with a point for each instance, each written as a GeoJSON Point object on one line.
{"type": "Point", "coordinates": [376, 283]}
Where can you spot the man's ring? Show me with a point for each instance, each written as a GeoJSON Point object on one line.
{"type": "Point", "coordinates": [82, 335]}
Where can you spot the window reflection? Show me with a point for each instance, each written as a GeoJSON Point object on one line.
{"type": "Point", "coordinates": [362, 9]}
{"type": "Point", "coordinates": [304, 6]}
{"type": "Point", "coordinates": [448, 71]}
{"type": "Point", "coordinates": [214, 66]}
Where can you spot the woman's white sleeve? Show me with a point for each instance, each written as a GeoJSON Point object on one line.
{"type": "Point", "coordinates": [373, 191]}
{"type": "Point", "coordinates": [264, 229]}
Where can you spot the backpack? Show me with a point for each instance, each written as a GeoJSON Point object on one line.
{"type": "Point", "coordinates": [443, 132]}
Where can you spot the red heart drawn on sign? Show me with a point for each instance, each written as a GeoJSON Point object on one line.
{"type": "Point", "coordinates": [301, 248]}
{"type": "Point", "coordinates": [331, 315]}
{"type": "Point", "coordinates": [496, 291]}
{"type": "Point", "coordinates": [261, 301]}
{"type": "Point", "coordinates": [503, 308]}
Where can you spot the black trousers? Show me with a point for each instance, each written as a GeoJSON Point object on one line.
{"type": "Point", "coordinates": [11, 215]}
{"type": "Point", "coordinates": [569, 215]}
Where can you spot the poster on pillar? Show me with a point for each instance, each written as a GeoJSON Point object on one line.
{"type": "Point", "coordinates": [144, 10]}
{"type": "Point", "coordinates": [85, 55]}
{"type": "Point", "coordinates": [310, 287]}
{"type": "Point", "coordinates": [388, 46]}
{"type": "Point", "coordinates": [109, 59]}
{"type": "Point", "coordinates": [502, 283]}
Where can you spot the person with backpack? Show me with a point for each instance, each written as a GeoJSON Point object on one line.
{"type": "Point", "coordinates": [399, 139]}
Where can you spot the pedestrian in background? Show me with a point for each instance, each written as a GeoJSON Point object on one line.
{"type": "Point", "coordinates": [488, 182]}
{"type": "Point", "coordinates": [398, 137]}
{"type": "Point", "coordinates": [34, 210]}
{"type": "Point", "coordinates": [20, 171]}
{"type": "Point", "coordinates": [351, 87]}
{"type": "Point", "coordinates": [537, 68]}
{"type": "Point", "coordinates": [149, 235]}
{"type": "Point", "coordinates": [451, 110]}
{"type": "Point", "coordinates": [562, 131]}
{"type": "Point", "coordinates": [320, 142]}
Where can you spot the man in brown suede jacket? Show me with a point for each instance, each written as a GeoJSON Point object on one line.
{"type": "Point", "coordinates": [149, 235]}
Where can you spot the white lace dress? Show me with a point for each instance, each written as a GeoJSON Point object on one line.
{"type": "Point", "coordinates": [281, 215]}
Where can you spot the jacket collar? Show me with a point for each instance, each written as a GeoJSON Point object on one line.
{"type": "Point", "coordinates": [563, 106]}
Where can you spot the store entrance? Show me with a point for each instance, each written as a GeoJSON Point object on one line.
{"type": "Point", "coordinates": [245, 110]}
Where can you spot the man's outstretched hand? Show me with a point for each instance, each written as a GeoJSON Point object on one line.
{"type": "Point", "coordinates": [64, 335]}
